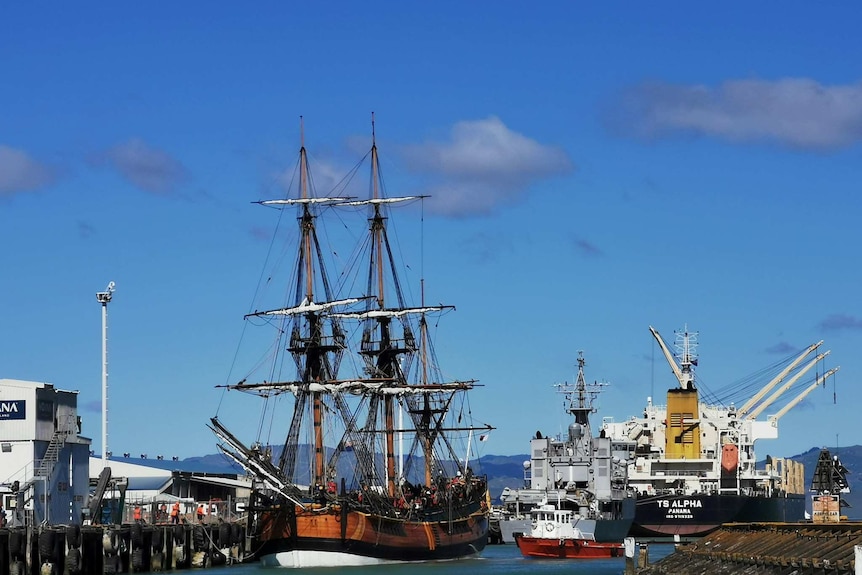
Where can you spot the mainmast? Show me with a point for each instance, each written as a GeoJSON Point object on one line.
{"type": "Point", "coordinates": [386, 364]}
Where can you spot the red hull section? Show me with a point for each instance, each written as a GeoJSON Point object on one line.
{"type": "Point", "coordinates": [568, 548]}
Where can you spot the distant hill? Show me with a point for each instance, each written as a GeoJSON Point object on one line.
{"type": "Point", "coordinates": [508, 470]}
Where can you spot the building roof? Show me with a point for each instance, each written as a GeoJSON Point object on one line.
{"type": "Point", "coordinates": [206, 464]}
{"type": "Point", "coordinates": [123, 468]}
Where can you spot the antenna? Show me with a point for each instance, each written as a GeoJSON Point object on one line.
{"type": "Point", "coordinates": [104, 298]}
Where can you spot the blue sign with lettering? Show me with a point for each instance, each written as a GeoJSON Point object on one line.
{"type": "Point", "coordinates": [15, 409]}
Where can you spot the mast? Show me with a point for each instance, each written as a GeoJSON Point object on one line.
{"type": "Point", "coordinates": [428, 445]}
{"type": "Point", "coordinates": [583, 408]}
{"type": "Point", "coordinates": [313, 367]}
{"type": "Point", "coordinates": [377, 230]}
{"type": "Point", "coordinates": [580, 399]}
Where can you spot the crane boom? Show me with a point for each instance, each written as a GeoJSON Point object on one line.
{"type": "Point", "coordinates": [776, 380]}
{"type": "Point", "coordinates": [774, 418]}
{"type": "Point", "coordinates": [670, 359]}
{"type": "Point", "coordinates": [769, 401]}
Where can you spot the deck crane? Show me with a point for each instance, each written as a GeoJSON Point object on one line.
{"type": "Point", "coordinates": [771, 399]}
{"type": "Point", "coordinates": [683, 371]}
{"type": "Point", "coordinates": [773, 419]}
{"type": "Point", "coordinates": [776, 380]}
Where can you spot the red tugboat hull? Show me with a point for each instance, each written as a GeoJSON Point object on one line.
{"type": "Point", "coordinates": [567, 548]}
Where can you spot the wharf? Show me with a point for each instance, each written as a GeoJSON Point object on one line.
{"type": "Point", "coordinates": [128, 548]}
{"type": "Point", "coordinates": [767, 549]}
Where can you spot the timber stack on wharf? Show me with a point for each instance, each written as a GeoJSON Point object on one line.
{"type": "Point", "coordinates": [133, 548]}
{"type": "Point", "coordinates": [826, 545]}
{"type": "Point", "coordinates": [769, 549]}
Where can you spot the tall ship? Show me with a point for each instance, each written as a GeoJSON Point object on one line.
{"type": "Point", "coordinates": [375, 466]}
{"type": "Point", "coordinates": [692, 463]}
{"type": "Point", "coordinates": [576, 473]}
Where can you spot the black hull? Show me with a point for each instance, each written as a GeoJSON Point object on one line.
{"type": "Point", "coordinates": [615, 530]}
{"type": "Point", "coordinates": [699, 515]}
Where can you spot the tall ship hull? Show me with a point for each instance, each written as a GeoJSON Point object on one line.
{"type": "Point", "coordinates": [692, 463]}
{"type": "Point", "coordinates": [337, 536]}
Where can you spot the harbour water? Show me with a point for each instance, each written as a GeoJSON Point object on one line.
{"type": "Point", "coordinates": [494, 560]}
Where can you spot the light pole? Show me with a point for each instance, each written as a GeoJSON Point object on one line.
{"type": "Point", "coordinates": [104, 297]}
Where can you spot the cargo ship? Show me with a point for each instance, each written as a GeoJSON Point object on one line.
{"type": "Point", "coordinates": [692, 463]}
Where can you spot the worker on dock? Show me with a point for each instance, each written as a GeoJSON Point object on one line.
{"type": "Point", "coordinates": [201, 513]}
{"type": "Point", "coordinates": [137, 514]}
{"type": "Point", "coordinates": [175, 512]}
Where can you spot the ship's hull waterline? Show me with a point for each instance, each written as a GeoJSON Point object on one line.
{"type": "Point", "coordinates": [545, 548]}
{"type": "Point", "coordinates": [331, 537]}
{"type": "Point", "coordinates": [700, 514]}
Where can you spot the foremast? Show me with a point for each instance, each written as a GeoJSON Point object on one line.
{"type": "Point", "coordinates": [317, 340]}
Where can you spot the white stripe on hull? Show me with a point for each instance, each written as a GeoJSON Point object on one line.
{"type": "Point", "coordinates": [297, 559]}
{"type": "Point", "coordinates": [319, 559]}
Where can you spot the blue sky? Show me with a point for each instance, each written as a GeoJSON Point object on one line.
{"type": "Point", "coordinates": [594, 169]}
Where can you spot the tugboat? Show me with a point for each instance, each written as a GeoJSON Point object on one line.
{"type": "Point", "coordinates": [374, 467]}
{"type": "Point", "coordinates": [556, 533]}
{"type": "Point", "coordinates": [579, 474]}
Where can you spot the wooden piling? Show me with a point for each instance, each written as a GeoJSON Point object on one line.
{"type": "Point", "coordinates": [131, 548]}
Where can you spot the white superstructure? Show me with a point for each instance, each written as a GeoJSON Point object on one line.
{"type": "Point", "coordinates": [707, 448]}
{"type": "Point", "coordinates": [44, 461]}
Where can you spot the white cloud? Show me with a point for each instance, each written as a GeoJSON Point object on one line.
{"type": "Point", "coordinates": [326, 179]}
{"type": "Point", "coordinates": [796, 112]}
{"type": "Point", "coordinates": [21, 173]}
{"type": "Point", "coordinates": [147, 168]}
{"type": "Point", "coordinates": [483, 165]}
